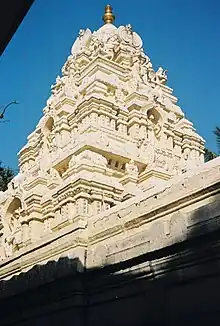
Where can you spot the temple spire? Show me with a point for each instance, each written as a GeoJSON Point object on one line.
{"type": "Point", "coordinates": [108, 15]}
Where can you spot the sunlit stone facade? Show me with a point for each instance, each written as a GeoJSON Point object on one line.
{"type": "Point", "coordinates": [111, 133]}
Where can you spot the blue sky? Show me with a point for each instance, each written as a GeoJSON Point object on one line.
{"type": "Point", "coordinates": [180, 35]}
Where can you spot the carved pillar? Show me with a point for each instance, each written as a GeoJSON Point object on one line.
{"type": "Point", "coordinates": [71, 210]}
{"type": "Point", "coordinates": [177, 146]}
{"type": "Point", "coordinates": [112, 123]}
{"type": "Point", "coordinates": [143, 132]}
{"type": "Point", "coordinates": [25, 231]}
{"type": "Point", "coordinates": [134, 130]}
{"type": "Point", "coordinates": [48, 224]}
{"type": "Point", "coordinates": [36, 229]}
{"type": "Point", "coordinates": [94, 118]}
{"type": "Point", "coordinates": [82, 206]}
{"type": "Point", "coordinates": [102, 120]}
{"type": "Point", "coordinates": [107, 121]}
{"type": "Point", "coordinates": [170, 142]}
{"type": "Point", "coordinates": [97, 206]}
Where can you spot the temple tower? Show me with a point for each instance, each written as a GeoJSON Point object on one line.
{"type": "Point", "coordinates": [111, 130]}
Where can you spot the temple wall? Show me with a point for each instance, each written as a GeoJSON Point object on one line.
{"type": "Point", "coordinates": [153, 269]}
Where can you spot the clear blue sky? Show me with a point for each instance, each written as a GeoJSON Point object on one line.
{"type": "Point", "coordinates": [180, 35]}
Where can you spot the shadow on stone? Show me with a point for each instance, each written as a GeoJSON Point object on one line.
{"type": "Point", "coordinates": [176, 285]}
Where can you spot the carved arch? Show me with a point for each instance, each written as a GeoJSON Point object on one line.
{"type": "Point", "coordinates": [48, 125]}
{"type": "Point", "coordinates": [12, 226]}
{"type": "Point", "coordinates": [158, 117]}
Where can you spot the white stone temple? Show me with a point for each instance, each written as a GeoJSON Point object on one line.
{"type": "Point", "coordinates": [111, 134]}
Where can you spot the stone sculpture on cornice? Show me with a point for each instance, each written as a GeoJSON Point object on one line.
{"type": "Point", "coordinates": [132, 169]}
{"type": "Point", "coordinates": [81, 42]}
{"type": "Point", "coordinates": [161, 76]}
{"type": "Point", "coordinates": [54, 176]}
{"type": "Point", "coordinates": [58, 86]}
{"type": "Point", "coordinates": [129, 37]}
{"type": "Point", "coordinates": [12, 236]}
{"type": "Point", "coordinates": [96, 46]}
{"type": "Point", "coordinates": [146, 150]}
{"type": "Point", "coordinates": [110, 46]}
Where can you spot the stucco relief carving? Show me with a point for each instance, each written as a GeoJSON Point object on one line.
{"type": "Point", "coordinates": [132, 169]}
{"type": "Point", "coordinates": [58, 86]}
{"type": "Point", "coordinates": [81, 42]}
{"type": "Point", "coordinates": [161, 75]}
{"type": "Point", "coordinates": [54, 176]}
{"type": "Point", "coordinates": [130, 37]}
{"type": "Point", "coordinates": [146, 150]}
{"type": "Point", "coordinates": [12, 234]}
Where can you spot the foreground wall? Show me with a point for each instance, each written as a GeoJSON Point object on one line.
{"type": "Point", "coordinates": [146, 262]}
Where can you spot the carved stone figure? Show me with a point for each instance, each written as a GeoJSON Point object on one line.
{"type": "Point", "coordinates": [81, 42]}
{"type": "Point", "coordinates": [129, 37]}
{"type": "Point", "coordinates": [132, 169]}
{"type": "Point", "coordinates": [161, 75]}
{"type": "Point", "coordinates": [146, 150]}
{"type": "Point", "coordinates": [12, 232]}
{"type": "Point", "coordinates": [54, 176]}
{"type": "Point", "coordinates": [58, 85]}
{"type": "Point", "coordinates": [112, 46]}
{"type": "Point", "coordinates": [96, 46]}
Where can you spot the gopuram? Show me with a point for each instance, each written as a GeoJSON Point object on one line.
{"type": "Point", "coordinates": [113, 201]}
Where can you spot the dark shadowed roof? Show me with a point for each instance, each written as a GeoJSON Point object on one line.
{"type": "Point", "coordinates": [12, 13]}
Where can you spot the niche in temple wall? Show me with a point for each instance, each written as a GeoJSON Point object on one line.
{"type": "Point", "coordinates": [155, 124]}
{"type": "Point", "coordinates": [12, 233]}
{"type": "Point", "coordinates": [48, 143]}
{"type": "Point", "coordinates": [49, 138]}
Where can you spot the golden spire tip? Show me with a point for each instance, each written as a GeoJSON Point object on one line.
{"type": "Point", "coordinates": [108, 15]}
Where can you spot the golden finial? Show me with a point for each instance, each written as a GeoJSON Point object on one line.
{"type": "Point", "coordinates": [108, 15]}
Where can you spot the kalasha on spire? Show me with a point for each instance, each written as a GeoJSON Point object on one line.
{"type": "Point", "coordinates": [108, 17]}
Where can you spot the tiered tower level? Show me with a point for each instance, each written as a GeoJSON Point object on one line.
{"type": "Point", "coordinates": [110, 130]}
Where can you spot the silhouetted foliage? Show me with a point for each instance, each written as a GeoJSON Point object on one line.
{"type": "Point", "coordinates": [209, 155]}
{"type": "Point", "coordinates": [217, 133]}
{"type": "Point", "coordinates": [6, 175]}
{"type": "Point", "coordinates": [5, 107]}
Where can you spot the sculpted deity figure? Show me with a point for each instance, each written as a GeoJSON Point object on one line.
{"type": "Point", "coordinates": [129, 37]}
{"type": "Point", "coordinates": [154, 127]}
{"type": "Point", "coordinates": [146, 150]}
{"type": "Point", "coordinates": [151, 125]}
{"type": "Point", "coordinates": [132, 169]}
{"type": "Point", "coordinates": [54, 176]}
{"type": "Point", "coordinates": [119, 94]}
{"type": "Point", "coordinates": [50, 141]}
{"type": "Point", "coordinates": [135, 78]}
{"type": "Point", "coordinates": [112, 46]}
{"type": "Point", "coordinates": [81, 42]}
{"type": "Point", "coordinates": [72, 161]}
{"type": "Point", "coordinates": [96, 46]}
{"type": "Point", "coordinates": [145, 68]}
{"type": "Point", "coordinates": [129, 34]}
{"type": "Point", "coordinates": [161, 75]}
{"type": "Point", "coordinates": [13, 236]}
{"type": "Point", "coordinates": [58, 85]}
{"type": "Point", "coordinates": [67, 65]}
{"type": "Point", "coordinates": [70, 67]}
{"type": "Point", "coordinates": [157, 128]}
